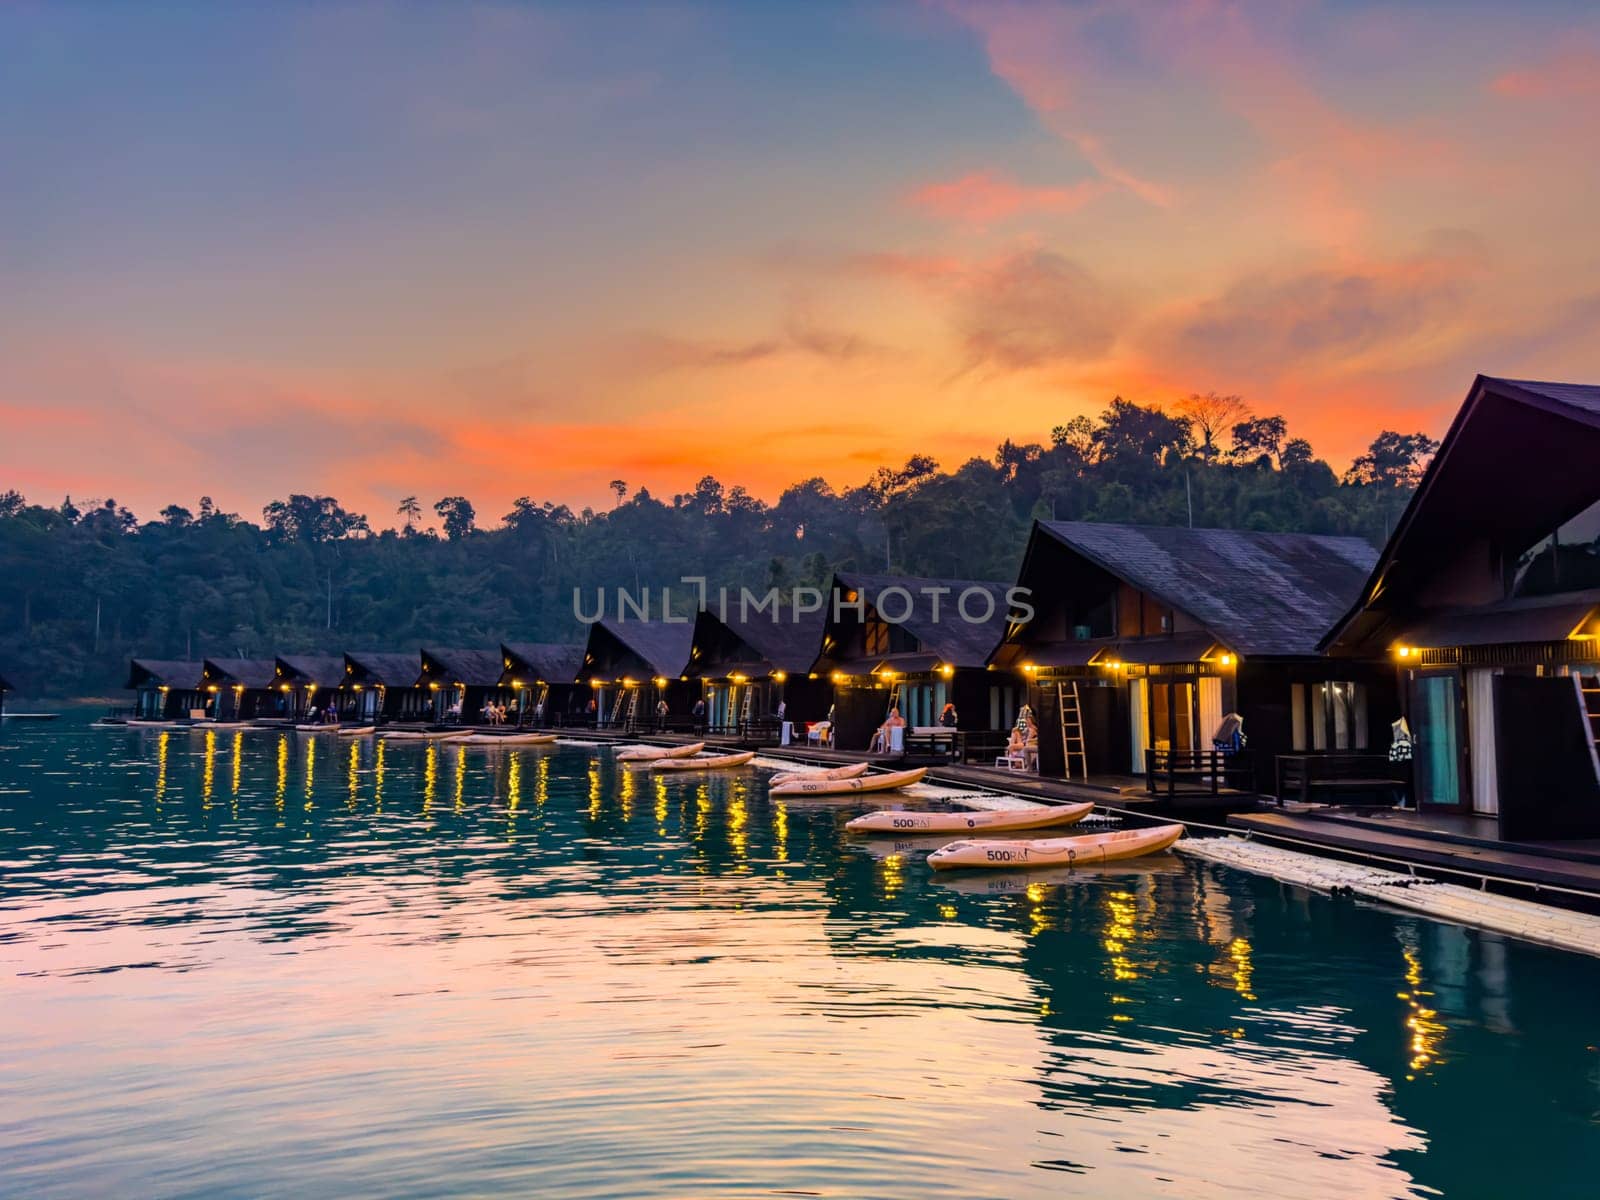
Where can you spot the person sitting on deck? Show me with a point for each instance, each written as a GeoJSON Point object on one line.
{"type": "Point", "coordinates": [883, 739]}
{"type": "Point", "coordinates": [661, 711]}
{"type": "Point", "coordinates": [948, 717]}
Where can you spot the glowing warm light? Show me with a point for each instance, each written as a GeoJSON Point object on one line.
{"type": "Point", "coordinates": [947, 670]}
{"type": "Point", "coordinates": [838, 677]}
{"type": "Point", "coordinates": [1226, 660]}
{"type": "Point", "coordinates": [1405, 651]}
{"type": "Point", "coordinates": [779, 676]}
{"type": "Point", "coordinates": [1030, 667]}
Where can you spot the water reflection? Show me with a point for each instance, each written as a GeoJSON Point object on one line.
{"type": "Point", "coordinates": [562, 983]}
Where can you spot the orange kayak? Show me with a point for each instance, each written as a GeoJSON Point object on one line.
{"type": "Point", "coordinates": [709, 763]}
{"type": "Point", "coordinates": [851, 772]}
{"type": "Point", "coordinates": [1088, 850]}
{"type": "Point", "coordinates": [651, 754]}
{"type": "Point", "coordinates": [844, 787]}
{"type": "Point", "coordinates": [899, 821]}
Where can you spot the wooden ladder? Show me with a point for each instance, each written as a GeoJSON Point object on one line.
{"type": "Point", "coordinates": [1589, 698]}
{"type": "Point", "coordinates": [1069, 705]}
{"type": "Point", "coordinates": [539, 703]}
{"type": "Point", "coordinates": [633, 707]}
{"type": "Point", "coordinates": [745, 705]}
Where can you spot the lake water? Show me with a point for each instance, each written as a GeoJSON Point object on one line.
{"type": "Point", "coordinates": [252, 965]}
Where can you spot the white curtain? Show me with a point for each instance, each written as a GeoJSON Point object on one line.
{"type": "Point", "coordinates": [1138, 706]}
{"type": "Point", "coordinates": [1480, 740]}
{"type": "Point", "coordinates": [1210, 709]}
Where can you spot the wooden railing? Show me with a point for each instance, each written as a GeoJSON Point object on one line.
{"type": "Point", "coordinates": [1306, 777]}
{"type": "Point", "coordinates": [1174, 773]}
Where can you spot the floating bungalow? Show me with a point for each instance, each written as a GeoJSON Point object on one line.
{"type": "Point", "coordinates": [463, 682]}
{"type": "Point", "coordinates": [1486, 605]}
{"type": "Point", "coordinates": [542, 677]}
{"type": "Point", "coordinates": [915, 644]}
{"type": "Point", "coordinates": [166, 689]}
{"type": "Point", "coordinates": [630, 667]}
{"type": "Point", "coordinates": [753, 665]}
{"type": "Point", "coordinates": [309, 682]}
{"type": "Point", "coordinates": [383, 687]}
{"type": "Point", "coordinates": [242, 689]}
{"type": "Point", "coordinates": [1145, 638]}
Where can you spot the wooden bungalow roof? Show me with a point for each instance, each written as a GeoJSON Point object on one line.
{"type": "Point", "coordinates": [475, 668]}
{"type": "Point", "coordinates": [1271, 594]}
{"type": "Point", "coordinates": [164, 672]}
{"type": "Point", "coordinates": [1498, 475]}
{"type": "Point", "coordinates": [255, 673]}
{"type": "Point", "coordinates": [948, 636]}
{"type": "Point", "coordinates": [761, 644]}
{"type": "Point", "coordinates": [384, 668]}
{"type": "Point", "coordinates": [552, 662]}
{"type": "Point", "coordinates": [661, 646]}
{"type": "Point", "coordinates": [326, 671]}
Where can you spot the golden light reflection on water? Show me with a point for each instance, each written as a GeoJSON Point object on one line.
{"type": "Point", "coordinates": [377, 777]}
{"type": "Point", "coordinates": [513, 791]}
{"type": "Point", "coordinates": [282, 789]}
{"type": "Point", "coordinates": [1240, 952]}
{"type": "Point", "coordinates": [238, 769]}
{"type": "Point", "coordinates": [738, 832]}
{"type": "Point", "coordinates": [596, 792]}
{"type": "Point", "coordinates": [1120, 931]}
{"type": "Point", "coordinates": [208, 772]}
{"type": "Point", "coordinates": [892, 870]}
{"type": "Point", "coordinates": [627, 791]}
{"type": "Point", "coordinates": [659, 783]}
{"type": "Point", "coordinates": [430, 778]}
{"type": "Point", "coordinates": [311, 772]}
{"type": "Point", "coordinates": [780, 831]}
{"type": "Point", "coordinates": [353, 775]}
{"type": "Point", "coordinates": [461, 779]}
{"type": "Point", "coordinates": [1425, 1030]}
{"type": "Point", "coordinates": [163, 749]}
{"type": "Point", "coordinates": [541, 785]}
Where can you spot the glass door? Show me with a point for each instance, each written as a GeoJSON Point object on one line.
{"type": "Point", "coordinates": [1436, 728]}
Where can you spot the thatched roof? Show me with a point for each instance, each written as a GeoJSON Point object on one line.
{"type": "Point", "coordinates": [553, 662]}
{"type": "Point", "coordinates": [382, 668]}
{"type": "Point", "coordinates": [326, 671]}
{"type": "Point", "coordinates": [164, 672]}
{"type": "Point", "coordinates": [255, 673]}
{"type": "Point", "coordinates": [1271, 594]}
{"type": "Point", "coordinates": [475, 668]}
{"type": "Point", "coordinates": [934, 618]}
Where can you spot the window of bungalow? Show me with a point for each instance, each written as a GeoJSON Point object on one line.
{"type": "Point", "coordinates": [1097, 619]}
{"type": "Point", "coordinates": [1329, 716]}
{"type": "Point", "coordinates": [1567, 559]}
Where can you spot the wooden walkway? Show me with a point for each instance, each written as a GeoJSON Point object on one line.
{"type": "Point", "coordinates": [1543, 865]}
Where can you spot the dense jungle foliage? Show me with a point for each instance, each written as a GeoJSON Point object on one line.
{"type": "Point", "coordinates": [85, 585]}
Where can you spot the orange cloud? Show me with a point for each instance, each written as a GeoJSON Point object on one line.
{"type": "Point", "coordinates": [982, 197]}
{"type": "Point", "coordinates": [1571, 73]}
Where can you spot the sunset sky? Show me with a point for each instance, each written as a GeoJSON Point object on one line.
{"type": "Point", "coordinates": [515, 249]}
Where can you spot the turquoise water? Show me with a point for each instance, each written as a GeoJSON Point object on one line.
{"type": "Point", "coordinates": [247, 965]}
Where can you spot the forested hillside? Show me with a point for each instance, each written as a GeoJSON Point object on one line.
{"type": "Point", "coordinates": [86, 584]}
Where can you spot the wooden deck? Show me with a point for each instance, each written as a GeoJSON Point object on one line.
{"type": "Point", "coordinates": [1538, 864]}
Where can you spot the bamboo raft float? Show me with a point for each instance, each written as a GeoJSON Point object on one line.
{"type": "Point", "coordinates": [1525, 919]}
{"type": "Point", "coordinates": [885, 782]}
{"type": "Point", "coordinates": [654, 754]}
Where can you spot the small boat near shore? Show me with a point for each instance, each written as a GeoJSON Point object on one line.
{"type": "Point", "coordinates": [317, 728]}
{"type": "Point", "coordinates": [852, 771]}
{"type": "Point", "coordinates": [507, 739]}
{"type": "Point", "coordinates": [710, 762]}
{"type": "Point", "coordinates": [902, 822]}
{"type": "Point", "coordinates": [887, 781]}
{"type": "Point", "coordinates": [423, 735]}
{"type": "Point", "coordinates": [1090, 849]}
{"type": "Point", "coordinates": [653, 754]}
{"type": "Point", "coordinates": [355, 730]}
